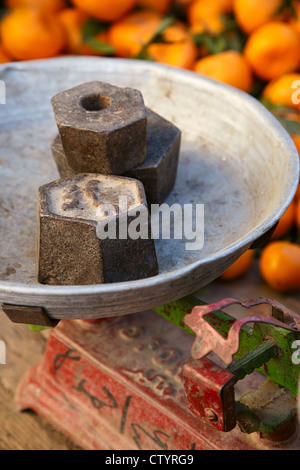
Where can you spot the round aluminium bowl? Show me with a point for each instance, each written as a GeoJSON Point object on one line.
{"type": "Point", "coordinates": [236, 161]}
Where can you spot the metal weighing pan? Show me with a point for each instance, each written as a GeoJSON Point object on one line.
{"type": "Point", "coordinates": [235, 159]}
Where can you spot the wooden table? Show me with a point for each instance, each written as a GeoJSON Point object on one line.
{"type": "Point", "coordinates": [26, 430]}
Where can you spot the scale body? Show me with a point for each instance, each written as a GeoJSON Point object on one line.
{"type": "Point", "coordinates": [118, 384]}
{"type": "Point", "coordinates": [111, 377]}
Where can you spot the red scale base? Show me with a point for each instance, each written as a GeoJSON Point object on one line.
{"type": "Point", "coordinates": [116, 385]}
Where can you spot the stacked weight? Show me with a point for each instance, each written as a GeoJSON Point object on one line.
{"type": "Point", "coordinates": [109, 145]}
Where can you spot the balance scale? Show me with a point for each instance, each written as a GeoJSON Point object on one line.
{"type": "Point", "coordinates": [145, 365]}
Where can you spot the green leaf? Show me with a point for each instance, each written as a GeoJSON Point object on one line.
{"type": "Point", "coordinates": [236, 43]}
{"type": "Point", "coordinates": [213, 44]}
{"type": "Point", "coordinates": [37, 328]}
{"type": "Point", "coordinates": [101, 47]}
{"type": "Point", "coordinates": [168, 21]}
{"type": "Point", "coordinates": [144, 55]}
{"type": "Point", "coordinates": [231, 38]}
{"type": "Point", "coordinates": [157, 38]}
{"type": "Point", "coordinates": [293, 127]}
{"type": "Point", "coordinates": [277, 109]}
{"type": "Point", "coordinates": [93, 27]}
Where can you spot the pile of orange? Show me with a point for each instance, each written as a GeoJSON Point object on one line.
{"type": "Point", "coordinates": [253, 45]}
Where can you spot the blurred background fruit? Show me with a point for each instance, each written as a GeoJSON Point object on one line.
{"type": "Point", "coordinates": [161, 6]}
{"type": "Point", "coordinates": [286, 222]}
{"type": "Point", "coordinates": [229, 67]}
{"type": "Point", "coordinates": [130, 34]}
{"type": "Point", "coordinates": [105, 10]}
{"type": "Point", "coordinates": [240, 267]}
{"type": "Point", "coordinates": [280, 91]}
{"type": "Point", "coordinates": [298, 213]}
{"type": "Point", "coordinates": [30, 34]}
{"type": "Point", "coordinates": [280, 266]}
{"type": "Point", "coordinates": [296, 139]}
{"type": "Point", "coordinates": [207, 15]}
{"type": "Point", "coordinates": [4, 57]}
{"type": "Point", "coordinates": [177, 48]}
{"type": "Point", "coordinates": [294, 19]}
{"type": "Point", "coordinates": [251, 14]}
{"type": "Point", "coordinates": [273, 50]}
{"type": "Point", "coordinates": [73, 22]}
{"type": "Point", "coordinates": [46, 6]}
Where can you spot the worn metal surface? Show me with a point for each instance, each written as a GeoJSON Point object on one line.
{"type": "Point", "coordinates": [233, 155]}
{"type": "Point", "coordinates": [70, 249]}
{"type": "Point", "coordinates": [103, 128]}
{"type": "Point", "coordinates": [31, 315]}
{"type": "Point", "coordinates": [270, 410]}
{"type": "Point", "coordinates": [64, 169]}
{"type": "Point", "coordinates": [158, 171]}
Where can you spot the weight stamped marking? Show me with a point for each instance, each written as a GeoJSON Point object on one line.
{"type": "Point", "coordinates": [85, 200]}
{"type": "Point", "coordinates": [164, 379]}
{"type": "Point", "coordinates": [82, 232]}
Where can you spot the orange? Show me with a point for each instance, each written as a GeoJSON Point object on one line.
{"type": "Point", "coordinates": [129, 35]}
{"type": "Point", "coordinates": [297, 195]}
{"type": "Point", "coordinates": [295, 22]}
{"type": "Point", "coordinates": [87, 49]}
{"type": "Point", "coordinates": [226, 6]}
{"type": "Point", "coordinates": [72, 21]}
{"type": "Point", "coordinates": [162, 6]}
{"type": "Point", "coordinates": [251, 14]}
{"type": "Point", "coordinates": [47, 6]}
{"type": "Point", "coordinates": [286, 222]}
{"type": "Point", "coordinates": [280, 266]}
{"type": "Point", "coordinates": [240, 267]}
{"type": "Point", "coordinates": [4, 57]}
{"type": "Point", "coordinates": [291, 119]}
{"type": "Point", "coordinates": [29, 34]}
{"type": "Point", "coordinates": [197, 8]}
{"type": "Point", "coordinates": [229, 67]}
{"type": "Point", "coordinates": [105, 10]}
{"type": "Point", "coordinates": [273, 50]}
{"type": "Point", "coordinates": [281, 91]}
{"type": "Point", "coordinates": [207, 15]}
{"type": "Point", "coordinates": [296, 139]}
{"type": "Point", "coordinates": [298, 213]}
{"type": "Point", "coordinates": [179, 51]}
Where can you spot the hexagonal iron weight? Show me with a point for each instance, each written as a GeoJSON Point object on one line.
{"type": "Point", "coordinates": [158, 171]}
{"type": "Point", "coordinates": [102, 127]}
{"type": "Point", "coordinates": [72, 251]}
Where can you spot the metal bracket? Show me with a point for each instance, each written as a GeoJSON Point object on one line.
{"type": "Point", "coordinates": [209, 340]}
{"type": "Point", "coordinates": [210, 393]}
{"type": "Point", "coordinates": [209, 386]}
{"type": "Point", "coordinates": [29, 315]}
